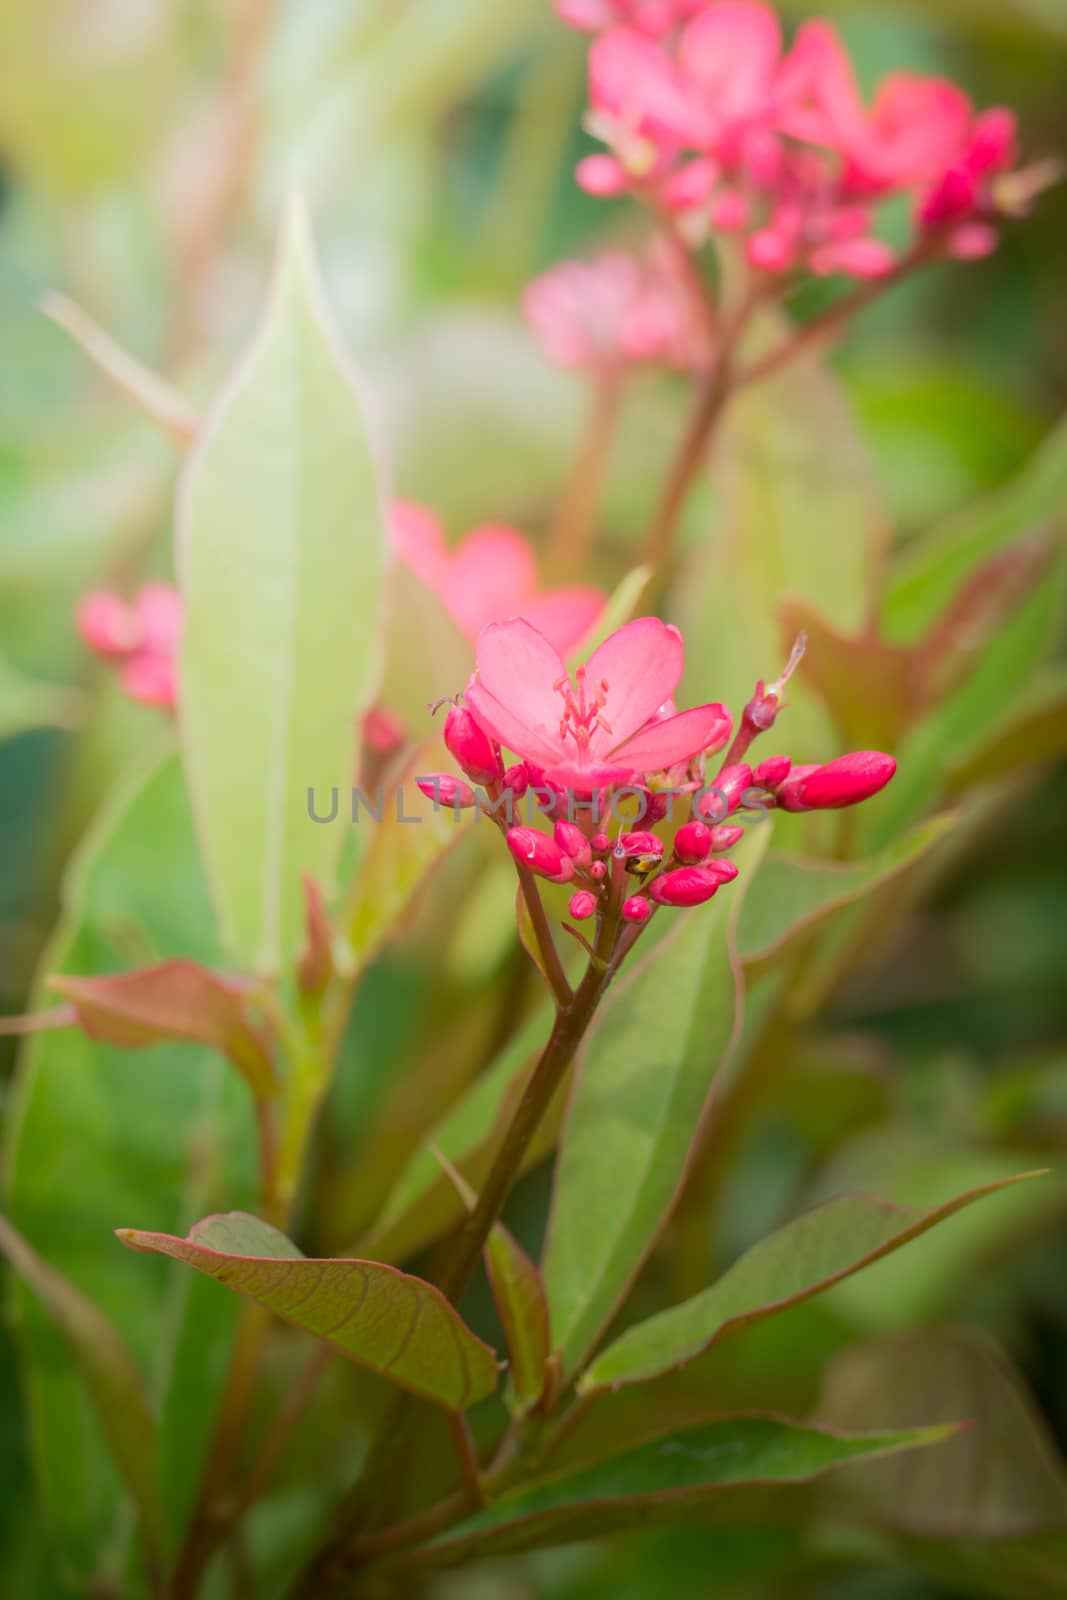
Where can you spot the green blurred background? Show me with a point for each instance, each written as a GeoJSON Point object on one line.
{"type": "Point", "coordinates": [145, 149]}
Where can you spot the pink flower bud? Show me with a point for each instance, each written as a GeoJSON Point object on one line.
{"type": "Point", "coordinates": [769, 774]}
{"type": "Point", "coordinates": [771, 251]}
{"type": "Point", "coordinates": [107, 624]}
{"type": "Point", "coordinates": [445, 790]}
{"type": "Point", "coordinates": [726, 836]}
{"type": "Point", "coordinates": [582, 905]}
{"type": "Point", "coordinates": [598, 870]}
{"type": "Point", "coordinates": [844, 782]}
{"type": "Point", "coordinates": [601, 175]}
{"type": "Point", "coordinates": [472, 747]}
{"type": "Point", "coordinates": [601, 844]}
{"type": "Point", "coordinates": [161, 614]}
{"type": "Point", "coordinates": [637, 909]}
{"type": "Point", "coordinates": [724, 871]}
{"type": "Point", "coordinates": [693, 842]}
{"type": "Point", "coordinates": [534, 849]}
{"type": "Point", "coordinates": [789, 792]}
{"type": "Point", "coordinates": [686, 886]}
{"type": "Point", "coordinates": [640, 844]}
{"type": "Point", "coordinates": [152, 680]}
{"type": "Point", "coordinates": [517, 779]}
{"type": "Point", "coordinates": [654, 807]}
{"type": "Point", "coordinates": [573, 842]}
{"type": "Point", "coordinates": [383, 731]}
{"type": "Point", "coordinates": [724, 794]}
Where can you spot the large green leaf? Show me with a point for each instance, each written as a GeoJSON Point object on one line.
{"type": "Point", "coordinates": [398, 1326]}
{"type": "Point", "coordinates": [111, 1375]}
{"type": "Point", "coordinates": [791, 895]}
{"type": "Point", "coordinates": [798, 1261]}
{"type": "Point", "coordinates": [673, 1479]}
{"type": "Point", "coordinates": [282, 550]}
{"type": "Point", "coordinates": [641, 1091]}
{"type": "Point", "coordinates": [927, 578]}
{"type": "Point", "coordinates": [25, 704]}
{"type": "Point", "coordinates": [99, 1133]}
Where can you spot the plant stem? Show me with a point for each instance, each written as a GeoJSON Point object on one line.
{"type": "Point", "coordinates": [381, 1469]}
{"type": "Point", "coordinates": [546, 945]}
{"type": "Point", "coordinates": [572, 528]}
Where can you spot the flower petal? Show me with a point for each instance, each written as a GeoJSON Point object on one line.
{"type": "Point", "coordinates": [419, 541]}
{"type": "Point", "coordinates": [641, 663]}
{"type": "Point", "coordinates": [662, 744]}
{"type": "Point", "coordinates": [520, 668]}
{"type": "Point", "coordinates": [731, 50]}
{"type": "Point", "coordinates": [497, 720]}
{"type": "Point", "coordinates": [490, 576]}
{"type": "Point", "coordinates": [564, 616]}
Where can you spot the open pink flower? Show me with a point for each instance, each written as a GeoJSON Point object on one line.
{"type": "Point", "coordinates": [603, 726]}
{"type": "Point", "coordinates": [490, 576]}
{"type": "Point", "coordinates": [653, 17]}
{"type": "Point", "coordinates": [617, 310]}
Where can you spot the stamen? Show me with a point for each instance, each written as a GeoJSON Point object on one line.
{"type": "Point", "coordinates": [582, 713]}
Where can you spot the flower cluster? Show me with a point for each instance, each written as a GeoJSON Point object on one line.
{"type": "Point", "coordinates": [490, 574]}
{"type": "Point", "coordinates": [618, 310]}
{"type": "Point", "coordinates": [608, 755]}
{"type": "Point", "coordinates": [709, 116]}
{"type": "Point", "coordinates": [139, 637]}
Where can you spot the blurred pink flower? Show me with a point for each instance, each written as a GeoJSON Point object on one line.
{"type": "Point", "coordinates": [491, 576]}
{"type": "Point", "coordinates": [653, 17]}
{"type": "Point", "coordinates": [614, 310]}
{"type": "Point", "coordinates": [602, 727]}
{"type": "Point", "coordinates": [141, 637]}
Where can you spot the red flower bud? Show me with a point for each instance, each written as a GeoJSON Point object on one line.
{"type": "Point", "coordinates": [653, 807]}
{"type": "Point", "coordinates": [582, 905]}
{"type": "Point", "coordinates": [445, 790]}
{"type": "Point", "coordinates": [636, 909]}
{"type": "Point", "coordinates": [693, 842]}
{"type": "Point", "coordinates": [844, 782]}
{"type": "Point", "coordinates": [598, 870]}
{"type": "Point", "coordinates": [724, 871]}
{"type": "Point", "coordinates": [517, 779]}
{"type": "Point", "coordinates": [534, 849]}
{"type": "Point", "coordinates": [687, 886]}
{"type": "Point", "coordinates": [640, 844]}
{"type": "Point", "coordinates": [724, 795]}
{"type": "Point", "coordinates": [601, 844]}
{"type": "Point", "coordinates": [789, 794]}
{"type": "Point", "coordinates": [472, 747]}
{"type": "Point", "coordinates": [573, 842]}
{"type": "Point", "coordinates": [769, 774]}
{"type": "Point", "coordinates": [726, 836]}
{"type": "Point", "coordinates": [107, 624]}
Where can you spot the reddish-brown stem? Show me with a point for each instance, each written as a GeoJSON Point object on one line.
{"type": "Point", "coordinates": [546, 945]}
{"type": "Point", "coordinates": [467, 1454]}
{"type": "Point", "coordinates": [575, 519]}
{"type": "Point", "coordinates": [274, 1445]}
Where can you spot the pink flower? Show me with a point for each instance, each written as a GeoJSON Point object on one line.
{"type": "Point", "coordinates": [643, 105]}
{"type": "Point", "coordinates": [489, 577]}
{"type": "Point", "coordinates": [731, 51]}
{"type": "Point", "coordinates": [141, 638]}
{"type": "Point", "coordinates": [653, 17]}
{"type": "Point", "coordinates": [597, 729]}
{"type": "Point", "coordinates": [615, 310]}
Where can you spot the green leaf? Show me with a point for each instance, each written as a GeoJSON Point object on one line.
{"type": "Point", "coordinates": [642, 1088]}
{"type": "Point", "coordinates": [927, 579]}
{"type": "Point", "coordinates": [797, 1262]}
{"type": "Point", "coordinates": [424, 1204]}
{"type": "Point", "coordinates": [174, 1000]}
{"type": "Point", "coordinates": [426, 656]}
{"type": "Point", "coordinates": [111, 1376]}
{"type": "Point", "coordinates": [95, 1135]}
{"type": "Point", "coordinates": [671, 1480]}
{"type": "Point", "coordinates": [791, 895]}
{"type": "Point", "coordinates": [282, 551]}
{"type": "Point", "coordinates": [398, 1326]}
{"type": "Point", "coordinates": [25, 704]}
{"type": "Point", "coordinates": [1033, 734]}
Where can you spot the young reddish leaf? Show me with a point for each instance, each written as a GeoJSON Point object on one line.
{"type": "Point", "coordinates": [519, 1297]}
{"type": "Point", "coordinates": [174, 1000]}
{"type": "Point", "coordinates": [397, 1325]}
{"type": "Point", "coordinates": [315, 962]}
{"type": "Point", "coordinates": [674, 1479]}
{"type": "Point", "coordinates": [111, 1376]}
{"type": "Point", "coordinates": [795, 1263]}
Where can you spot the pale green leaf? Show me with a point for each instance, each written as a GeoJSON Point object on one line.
{"type": "Point", "coordinates": [282, 552]}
